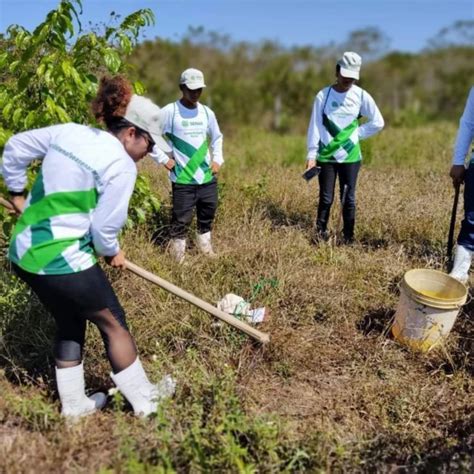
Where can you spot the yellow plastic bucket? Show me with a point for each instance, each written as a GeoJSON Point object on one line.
{"type": "Point", "coordinates": [429, 304]}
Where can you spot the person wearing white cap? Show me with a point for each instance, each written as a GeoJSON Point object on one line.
{"type": "Point", "coordinates": [190, 128]}
{"type": "Point", "coordinates": [73, 215]}
{"type": "Point", "coordinates": [333, 141]}
{"type": "Point", "coordinates": [459, 174]}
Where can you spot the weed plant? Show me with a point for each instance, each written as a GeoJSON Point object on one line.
{"type": "Point", "coordinates": [332, 392]}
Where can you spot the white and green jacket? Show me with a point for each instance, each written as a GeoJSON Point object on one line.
{"type": "Point", "coordinates": [334, 132]}
{"type": "Point", "coordinates": [187, 131]}
{"type": "Point", "coordinates": [79, 201]}
{"type": "Point", "coordinates": [465, 134]}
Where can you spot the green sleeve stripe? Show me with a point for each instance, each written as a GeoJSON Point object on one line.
{"type": "Point", "coordinates": [56, 204]}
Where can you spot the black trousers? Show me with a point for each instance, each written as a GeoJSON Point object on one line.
{"type": "Point", "coordinates": [347, 173]}
{"type": "Point", "coordinates": [186, 197]}
{"type": "Point", "coordinates": [466, 234]}
{"type": "Point", "coordinates": [73, 299]}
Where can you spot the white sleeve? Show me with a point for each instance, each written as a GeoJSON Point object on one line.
{"type": "Point", "coordinates": [20, 151]}
{"type": "Point", "coordinates": [313, 135]}
{"type": "Point", "coordinates": [465, 132]}
{"type": "Point", "coordinates": [110, 214]}
{"type": "Point", "coordinates": [216, 138]}
{"type": "Point", "coordinates": [159, 156]}
{"type": "Point", "coordinates": [375, 121]}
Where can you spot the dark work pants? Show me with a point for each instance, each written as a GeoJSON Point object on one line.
{"type": "Point", "coordinates": [186, 197]}
{"type": "Point", "coordinates": [466, 234]}
{"type": "Point", "coordinates": [347, 173]}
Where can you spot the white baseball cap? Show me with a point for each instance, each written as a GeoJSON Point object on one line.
{"type": "Point", "coordinates": [146, 115]}
{"type": "Point", "coordinates": [192, 79]}
{"type": "Point", "coordinates": [350, 64]}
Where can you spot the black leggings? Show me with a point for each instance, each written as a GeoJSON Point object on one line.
{"type": "Point", "coordinates": [75, 298]}
{"type": "Point", "coordinates": [347, 173]}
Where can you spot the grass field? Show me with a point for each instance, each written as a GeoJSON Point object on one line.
{"type": "Point", "coordinates": [332, 392]}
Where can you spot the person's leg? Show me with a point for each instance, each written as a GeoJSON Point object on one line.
{"type": "Point", "coordinates": [465, 242]}
{"type": "Point", "coordinates": [68, 346]}
{"type": "Point", "coordinates": [127, 372]}
{"type": "Point", "coordinates": [184, 198]}
{"type": "Point", "coordinates": [466, 234]}
{"type": "Point", "coordinates": [327, 181]}
{"type": "Point", "coordinates": [94, 300]}
{"type": "Point", "coordinates": [348, 173]}
{"type": "Point", "coordinates": [206, 207]}
{"type": "Point", "coordinates": [119, 344]}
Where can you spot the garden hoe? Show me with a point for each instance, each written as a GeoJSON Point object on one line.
{"type": "Point", "coordinates": [232, 320]}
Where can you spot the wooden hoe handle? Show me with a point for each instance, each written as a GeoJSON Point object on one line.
{"type": "Point", "coordinates": [232, 320]}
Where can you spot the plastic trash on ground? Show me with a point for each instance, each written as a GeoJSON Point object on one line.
{"type": "Point", "coordinates": [238, 307]}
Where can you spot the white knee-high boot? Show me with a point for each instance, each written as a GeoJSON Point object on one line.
{"type": "Point", "coordinates": [205, 245]}
{"type": "Point", "coordinates": [462, 264]}
{"type": "Point", "coordinates": [178, 249]}
{"type": "Point", "coordinates": [139, 391]}
{"type": "Point", "coordinates": [71, 388]}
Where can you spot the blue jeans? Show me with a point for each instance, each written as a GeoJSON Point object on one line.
{"type": "Point", "coordinates": [466, 235]}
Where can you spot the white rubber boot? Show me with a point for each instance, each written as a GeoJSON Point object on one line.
{"type": "Point", "coordinates": [71, 387]}
{"type": "Point", "coordinates": [462, 264]}
{"type": "Point", "coordinates": [178, 249]}
{"type": "Point", "coordinates": [137, 389]}
{"type": "Point", "coordinates": [204, 244]}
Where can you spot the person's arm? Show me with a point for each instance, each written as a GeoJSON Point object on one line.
{"type": "Point", "coordinates": [162, 158]}
{"type": "Point", "coordinates": [375, 121]}
{"type": "Point", "coordinates": [216, 142]}
{"type": "Point", "coordinates": [464, 139]}
{"type": "Point", "coordinates": [158, 155]}
{"type": "Point", "coordinates": [20, 150]}
{"type": "Point", "coordinates": [111, 212]}
{"type": "Point", "coordinates": [313, 135]}
{"type": "Point", "coordinates": [465, 133]}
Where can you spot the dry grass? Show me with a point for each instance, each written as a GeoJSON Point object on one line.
{"type": "Point", "coordinates": [332, 392]}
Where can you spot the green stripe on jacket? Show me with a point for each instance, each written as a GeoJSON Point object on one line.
{"type": "Point", "coordinates": [341, 139]}
{"type": "Point", "coordinates": [197, 159]}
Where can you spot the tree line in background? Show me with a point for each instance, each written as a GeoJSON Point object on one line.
{"type": "Point", "coordinates": [266, 85]}
{"type": "Point", "coordinates": [50, 75]}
